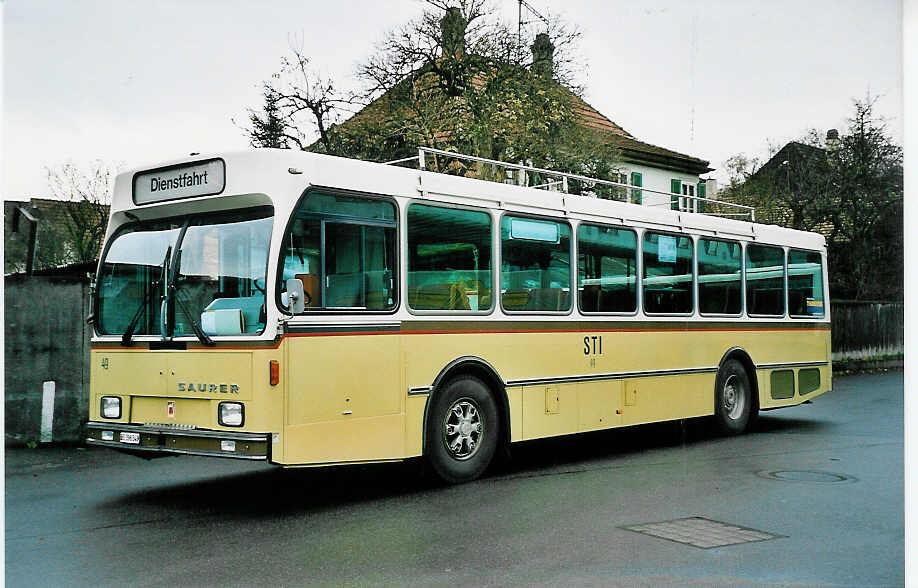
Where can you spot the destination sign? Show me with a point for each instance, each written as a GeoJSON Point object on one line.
{"type": "Point", "coordinates": [185, 181]}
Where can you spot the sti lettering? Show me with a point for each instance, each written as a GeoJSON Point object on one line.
{"type": "Point", "coordinates": [592, 345]}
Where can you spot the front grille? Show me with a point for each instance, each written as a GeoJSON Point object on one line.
{"type": "Point", "coordinates": [170, 426]}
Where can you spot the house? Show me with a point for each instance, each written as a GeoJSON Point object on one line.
{"type": "Point", "coordinates": [650, 166]}
{"type": "Point", "coordinates": [43, 233]}
{"type": "Point", "coordinates": [792, 188]}
{"type": "Point", "coordinates": [642, 164]}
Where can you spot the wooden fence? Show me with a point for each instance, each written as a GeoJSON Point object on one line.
{"type": "Point", "coordinates": [864, 329]}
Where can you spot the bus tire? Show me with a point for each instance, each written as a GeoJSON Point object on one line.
{"type": "Point", "coordinates": [463, 430]}
{"type": "Point", "coordinates": [733, 403]}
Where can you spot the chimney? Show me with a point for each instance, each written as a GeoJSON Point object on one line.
{"type": "Point", "coordinates": [452, 32]}
{"type": "Point", "coordinates": [832, 140]}
{"type": "Point", "coordinates": [542, 56]}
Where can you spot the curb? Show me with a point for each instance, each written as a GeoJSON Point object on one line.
{"type": "Point", "coordinates": [864, 365]}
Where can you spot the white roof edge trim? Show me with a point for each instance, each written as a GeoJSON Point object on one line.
{"type": "Point", "coordinates": [266, 171]}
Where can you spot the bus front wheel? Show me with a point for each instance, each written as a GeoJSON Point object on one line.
{"type": "Point", "coordinates": [462, 430]}
{"type": "Point", "coordinates": [732, 398]}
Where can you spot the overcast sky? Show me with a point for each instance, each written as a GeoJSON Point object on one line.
{"type": "Point", "coordinates": [132, 82]}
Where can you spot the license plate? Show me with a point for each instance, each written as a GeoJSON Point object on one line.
{"type": "Point", "coordinates": [133, 438]}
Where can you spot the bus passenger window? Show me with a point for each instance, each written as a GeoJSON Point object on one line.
{"type": "Point", "coordinates": [668, 274]}
{"type": "Point", "coordinates": [804, 289]}
{"type": "Point", "coordinates": [606, 269]}
{"type": "Point", "coordinates": [342, 249]}
{"type": "Point", "coordinates": [449, 259]}
{"type": "Point", "coordinates": [720, 279]}
{"type": "Point", "coordinates": [764, 280]}
{"type": "Point", "coordinates": [535, 264]}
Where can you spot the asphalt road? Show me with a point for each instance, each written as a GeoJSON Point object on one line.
{"type": "Point", "coordinates": [553, 516]}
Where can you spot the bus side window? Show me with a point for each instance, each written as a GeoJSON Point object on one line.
{"type": "Point", "coordinates": [720, 279]}
{"type": "Point", "coordinates": [449, 258]}
{"type": "Point", "coordinates": [301, 258]}
{"type": "Point", "coordinates": [764, 280]}
{"type": "Point", "coordinates": [804, 288]}
{"type": "Point", "coordinates": [343, 249]}
{"type": "Point", "coordinates": [606, 269]}
{"type": "Point", "coordinates": [668, 273]}
{"type": "Point", "coordinates": [535, 264]}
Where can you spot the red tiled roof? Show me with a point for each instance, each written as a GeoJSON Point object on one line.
{"type": "Point", "coordinates": [632, 150]}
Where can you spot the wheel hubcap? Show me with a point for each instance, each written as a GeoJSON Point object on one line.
{"type": "Point", "coordinates": [734, 398]}
{"type": "Point", "coordinates": [463, 429]}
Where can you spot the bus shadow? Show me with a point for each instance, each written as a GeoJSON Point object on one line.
{"type": "Point", "coordinates": [772, 423]}
{"type": "Point", "coordinates": [546, 455]}
{"type": "Point", "coordinates": [263, 493]}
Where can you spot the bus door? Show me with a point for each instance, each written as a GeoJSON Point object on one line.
{"type": "Point", "coordinates": [344, 400]}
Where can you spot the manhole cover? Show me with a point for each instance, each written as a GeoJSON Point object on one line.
{"type": "Point", "coordinates": [701, 532]}
{"type": "Point", "coordinates": [807, 476]}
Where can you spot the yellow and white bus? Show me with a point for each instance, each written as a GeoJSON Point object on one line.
{"type": "Point", "coordinates": [311, 310]}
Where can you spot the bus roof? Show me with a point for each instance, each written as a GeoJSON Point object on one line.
{"type": "Point", "coordinates": [280, 176]}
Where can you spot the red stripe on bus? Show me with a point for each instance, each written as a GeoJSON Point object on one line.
{"type": "Point", "coordinates": [496, 331]}
{"type": "Point", "coordinates": [488, 332]}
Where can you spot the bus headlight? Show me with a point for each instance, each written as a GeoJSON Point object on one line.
{"type": "Point", "coordinates": [111, 407]}
{"type": "Point", "coordinates": [231, 414]}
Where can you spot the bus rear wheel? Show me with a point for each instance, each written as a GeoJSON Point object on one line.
{"type": "Point", "coordinates": [733, 404]}
{"type": "Point", "coordinates": [462, 430]}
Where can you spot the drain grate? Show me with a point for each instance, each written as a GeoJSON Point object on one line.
{"type": "Point", "coordinates": [701, 532]}
{"type": "Point", "coordinates": [807, 476]}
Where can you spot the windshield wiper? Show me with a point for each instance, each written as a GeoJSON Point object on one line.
{"type": "Point", "coordinates": [173, 281]}
{"type": "Point", "coordinates": [202, 336]}
{"type": "Point", "coordinates": [132, 326]}
{"type": "Point", "coordinates": [129, 332]}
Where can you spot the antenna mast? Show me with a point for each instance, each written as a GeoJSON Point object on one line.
{"type": "Point", "coordinates": [519, 24]}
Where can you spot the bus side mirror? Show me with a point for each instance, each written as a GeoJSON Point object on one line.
{"type": "Point", "coordinates": [295, 295]}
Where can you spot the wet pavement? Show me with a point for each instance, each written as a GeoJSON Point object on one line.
{"type": "Point", "coordinates": [814, 492]}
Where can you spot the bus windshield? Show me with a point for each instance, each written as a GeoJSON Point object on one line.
{"type": "Point", "coordinates": [208, 269]}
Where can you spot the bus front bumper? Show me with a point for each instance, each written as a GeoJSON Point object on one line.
{"type": "Point", "coordinates": [150, 440]}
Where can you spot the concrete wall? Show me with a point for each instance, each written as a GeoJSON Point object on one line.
{"type": "Point", "coordinates": [46, 340]}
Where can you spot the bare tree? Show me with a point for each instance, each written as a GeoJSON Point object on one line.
{"type": "Point", "coordinates": [460, 79]}
{"type": "Point", "coordinates": [299, 104]}
{"type": "Point", "coordinates": [456, 78]}
{"type": "Point", "coordinates": [86, 193]}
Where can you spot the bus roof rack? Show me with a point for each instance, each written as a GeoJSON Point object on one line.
{"type": "Point", "coordinates": [536, 177]}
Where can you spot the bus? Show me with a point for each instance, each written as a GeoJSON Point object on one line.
{"type": "Point", "coordinates": [309, 310]}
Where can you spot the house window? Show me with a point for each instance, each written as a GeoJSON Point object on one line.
{"type": "Point", "coordinates": [637, 179]}
{"type": "Point", "coordinates": [682, 196]}
{"type": "Point", "coordinates": [618, 192]}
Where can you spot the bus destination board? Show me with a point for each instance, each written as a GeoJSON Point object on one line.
{"type": "Point", "coordinates": [182, 181]}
